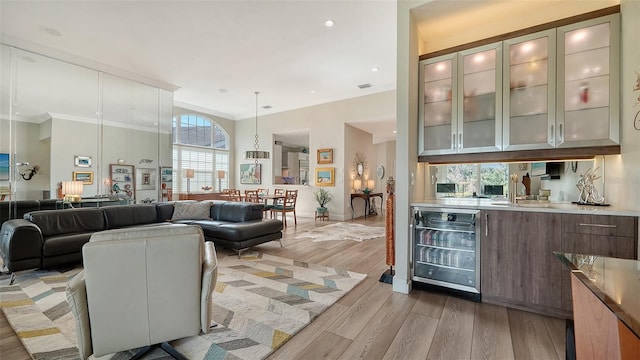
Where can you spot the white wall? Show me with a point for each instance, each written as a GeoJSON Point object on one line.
{"type": "Point", "coordinates": [70, 138]}
{"type": "Point", "coordinates": [325, 124]}
{"type": "Point", "coordinates": [622, 172]}
{"type": "Point", "coordinates": [408, 47]}
{"type": "Point", "coordinates": [29, 147]}
{"type": "Point", "coordinates": [357, 141]}
{"type": "Point", "coordinates": [385, 154]}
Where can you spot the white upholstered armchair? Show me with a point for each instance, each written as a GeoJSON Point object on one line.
{"type": "Point", "coordinates": [142, 287]}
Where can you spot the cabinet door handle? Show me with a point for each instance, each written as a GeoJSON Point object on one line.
{"type": "Point", "coordinates": [459, 140]}
{"type": "Point", "coordinates": [486, 224]}
{"type": "Point", "coordinates": [453, 141]}
{"type": "Point", "coordinates": [599, 225]}
{"type": "Point", "coordinates": [561, 133]}
{"type": "Point", "coordinates": [551, 134]}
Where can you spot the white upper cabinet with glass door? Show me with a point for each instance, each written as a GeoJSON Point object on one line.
{"type": "Point", "coordinates": [480, 111]}
{"type": "Point", "coordinates": [461, 107]}
{"type": "Point", "coordinates": [438, 107]}
{"type": "Point", "coordinates": [588, 111]}
{"type": "Point", "coordinates": [529, 91]}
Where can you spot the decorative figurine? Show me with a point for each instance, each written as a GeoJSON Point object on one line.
{"type": "Point", "coordinates": [588, 192]}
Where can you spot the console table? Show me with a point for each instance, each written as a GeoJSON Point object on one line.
{"type": "Point", "coordinates": [368, 210]}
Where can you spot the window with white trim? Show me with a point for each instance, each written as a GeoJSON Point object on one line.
{"type": "Point", "coordinates": [200, 144]}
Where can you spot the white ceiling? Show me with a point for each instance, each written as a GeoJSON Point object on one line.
{"type": "Point", "coordinates": [219, 52]}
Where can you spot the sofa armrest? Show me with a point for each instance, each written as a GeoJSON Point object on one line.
{"type": "Point", "coordinates": [21, 244]}
{"type": "Point", "coordinates": [209, 280]}
{"type": "Point", "coordinates": [77, 299]}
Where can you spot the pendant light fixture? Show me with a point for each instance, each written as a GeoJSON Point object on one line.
{"type": "Point", "coordinates": [256, 154]}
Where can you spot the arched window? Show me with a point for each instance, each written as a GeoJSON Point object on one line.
{"type": "Point", "coordinates": [200, 144]}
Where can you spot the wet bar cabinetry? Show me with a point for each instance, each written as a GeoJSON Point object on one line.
{"type": "Point", "coordinates": [548, 90]}
{"type": "Point", "coordinates": [612, 236]}
{"type": "Point", "coordinates": [519, 268]}
{"type": "Point", "coordinates": [461, 107]}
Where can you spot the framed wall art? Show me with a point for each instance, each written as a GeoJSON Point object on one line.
{"type": "Point", "coordinates": [250, 173]}
{"type": "Point", "coordinates": [325, 156]}
{"type": "Point", "coordinates": [146, 178]}
{"type": "Point", "coordinates": [122, 179]}
{"type": "Point", "coordinates": [4, 166]}
{"type": "Point", "coordinates": [85, 176]}
{"type": "Point", "coordinates": [325, 176]}
{"type": "Point", "coordinates": [82, 161]}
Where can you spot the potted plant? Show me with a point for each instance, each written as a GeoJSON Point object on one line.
{"type": "Point", "coordinates": [322, 197]}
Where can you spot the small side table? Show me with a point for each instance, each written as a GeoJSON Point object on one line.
{"type": "Point", "coordinates": [322, 215]}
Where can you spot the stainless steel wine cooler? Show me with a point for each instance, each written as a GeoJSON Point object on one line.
{"type": "Point", "coordinates": [446, 250]}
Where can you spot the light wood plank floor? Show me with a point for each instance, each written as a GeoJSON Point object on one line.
{"type": "Point", "coordinates": [373, 322]}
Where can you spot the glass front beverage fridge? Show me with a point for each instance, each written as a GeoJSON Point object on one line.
{"type": "Point", "coordinates": [446, 251]}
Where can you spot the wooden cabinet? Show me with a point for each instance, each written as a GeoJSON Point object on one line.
{"type": "Point", "coordinates": [599, 333]}
{"type": "Point", "coordinates": [612, 236]}
{"type": "Point", "coordinates": [518, 265]}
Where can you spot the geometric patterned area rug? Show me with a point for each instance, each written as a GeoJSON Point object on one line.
{"type": "Point", "coordinates": [260, 302]}
{"type": "Point", "coordinates": [343, 231]}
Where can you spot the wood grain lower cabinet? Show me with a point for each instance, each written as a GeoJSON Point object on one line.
{"type": "Point", "coordinates": [518, 266]}
{"type": "Point", "coordinates": [612, 236]}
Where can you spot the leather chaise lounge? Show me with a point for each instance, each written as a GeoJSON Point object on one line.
{"type": "Point", "coordinates": [47, 238]}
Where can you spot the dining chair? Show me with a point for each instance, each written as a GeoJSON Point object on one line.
{"type": "Point", "coordinates": [288, 205]}
{"type": "Point", "coordinates": [252, 196]}
{"type": "Point", "coordinates": [278, 192]}
{"type": "Point", "coordinates": [234, 195]}
{"type": "Point", "coordinates": [263, 191]}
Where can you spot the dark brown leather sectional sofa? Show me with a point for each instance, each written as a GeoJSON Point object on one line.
{"type": "Point", "coordinates": [48, 238]}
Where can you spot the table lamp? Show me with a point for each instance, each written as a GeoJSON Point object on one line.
{"type": "Point", "coordinates": [357, 184]}
{"type": "Point", "coordinates": [370, 185]}
{"type": "Point", "coordinates": [72, 190]}
{"type": "Point", "coordinates": [189, 174]}
{"type": "Point", "coordinates": [220, 175]}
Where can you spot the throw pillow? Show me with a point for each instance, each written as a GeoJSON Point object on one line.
{"type": "Point", "coordinates": [191, 211]}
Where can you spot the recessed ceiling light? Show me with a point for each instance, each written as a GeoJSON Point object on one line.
{"type": "Point", "coordinates": [50, 31]}
{"type": "Point", "coordinates": [374, 69]}
{"type": "Point", "coordinates": [364, 86]}
{"type": "Point", "coordinates": [313, 91]}
{"type": "Point", "coordinates": [329, 23]}
{"type": "Point", "coordinates": [223, 90]}
{"type": "Point", "coordinates": [267, 107]}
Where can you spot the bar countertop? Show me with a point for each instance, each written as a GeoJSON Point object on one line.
{"type": "Point", "coordinates": [616, 282]}
{"type": "Point", "coordinates": [534, 206]}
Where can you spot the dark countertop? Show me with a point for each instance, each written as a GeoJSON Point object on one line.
{"type": "Point", "coordinates": [616, 282]}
